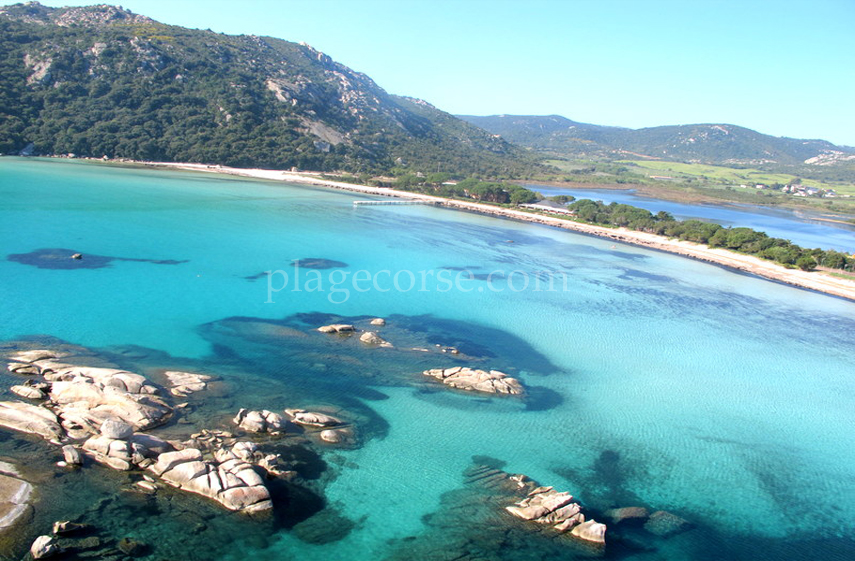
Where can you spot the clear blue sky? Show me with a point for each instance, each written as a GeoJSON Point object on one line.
{"type": "Point", "coordinates": [782, 67]}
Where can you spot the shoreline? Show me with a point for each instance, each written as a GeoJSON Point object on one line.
{"type": "Point", "coordinates": [816, 281]}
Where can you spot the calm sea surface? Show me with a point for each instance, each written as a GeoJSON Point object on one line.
{"type": "Point", "coordinates": [802, 228]}
{"type": "Point", "coordinates": [654, 380]}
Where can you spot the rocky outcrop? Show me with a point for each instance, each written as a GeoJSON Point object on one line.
{"type": "Point", "coordinates": [85, 396]}
{"type": "Point", "coordinates": [337, 328]}
{"type": "Point", "coordinates": [371, 338]}
{"type": "Point", "coordinates": [183, 384]}
{"type": "Point", "coordinates": [30, 419]}
{"type": "Point", "coordinates": [380, 322]}
{"type": "Point", "coordinates": [260, 421]}
{"type": "Point", "coordinates": [477, 380]}
{"type": "Point", "coordinates": [545, 505]}
{"type": "Point", "coordinates": [312, 419]}
{"type": "Point", "coordinates": [233, 483]}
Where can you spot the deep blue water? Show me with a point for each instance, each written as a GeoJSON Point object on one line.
{"type": "Point", "coordinates": [722, 397]}
{"type": "Point", "coordinates": [802, 228]}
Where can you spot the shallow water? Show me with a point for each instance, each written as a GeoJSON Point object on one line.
{"type": "Point", "coordinates": [803, 228]}
{"type": "Point", "coordinates": [656, 380]}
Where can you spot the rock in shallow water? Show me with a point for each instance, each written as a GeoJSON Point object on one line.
{"type": "Point", "coordinates": [72, 455]}
{"type": "Point", "coordinates": [371, 338]}
{"type": "Point", "coordinates": [44, 547]}
{"type": "Point", "coordinates": [337, 328]}
{"type": "Point", "coordinates": [260, 421]}
{"type": "Point", "coordinates": [185, 383]}
{"type": "Point", "coordinates": [312, 419]}
{"type": "Point", "coordinates": [469, 379]}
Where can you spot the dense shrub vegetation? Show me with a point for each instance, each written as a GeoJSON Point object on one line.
{"type": "Point", "coordinates": [743, 240]}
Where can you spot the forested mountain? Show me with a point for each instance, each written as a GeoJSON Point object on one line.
{"type": "Point", "coordinates": [708, 143]}
{"type": "Point", "coordinates": [101, 80]}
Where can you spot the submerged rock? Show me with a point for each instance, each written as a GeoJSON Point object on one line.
{"type": "Point", "coordinates": [184, 383]}
{"type": "Point", "coordinates": [663, 523]}
{"type": "Point", "coordinates": [65, 527]}
{"type": "Point", "coordinates": [469, 379]}
{"type": "Point", "coordinates": [628, 514]}
{"type": "Point", "coordinates": [132, 547]}
{"type": "Point", "coordinates": [31, 419]}
{"type": "Point", "coordinates": [371, 338]}
{"type": "Point", "coordinates": [336, 436]}
{"type": "Point", "coordinates": [34, 355]}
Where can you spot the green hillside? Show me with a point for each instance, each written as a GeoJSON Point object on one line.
{"type": "Point", "coordinates": [102, 81]}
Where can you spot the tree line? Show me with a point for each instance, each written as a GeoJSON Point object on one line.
{"type": "Point", "coordinates": [743, 240]}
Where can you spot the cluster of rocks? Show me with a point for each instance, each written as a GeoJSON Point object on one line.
{"type": "Point", "coordinates": [108, 408]}
{"type": "Point", "coordinates": [260, 421]}
{"type": "Point", "coordinates": [227, 479]}
{"type": "Point", "coordinates": [465, 378]}
{"type": "Point", "coordinates": [368, 337]}
{"type": "Point", "coordinates": [334, 431]}
{"type": "Point", "coordinates": [545, 505]}
{"type": "Point", "coordinates": [77, 400]}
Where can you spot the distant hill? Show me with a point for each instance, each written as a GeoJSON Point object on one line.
{"type": "Point", "coordinates": [101, 80]}
{"type": "Point", "coordinates": [706, 143]}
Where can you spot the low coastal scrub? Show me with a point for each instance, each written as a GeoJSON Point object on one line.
{"type": "Point", "coordinates": [438, 184]}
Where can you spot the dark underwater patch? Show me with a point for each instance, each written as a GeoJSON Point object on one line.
{"type": "Point", "coordinates": [318, 263]}
{"type": "Point", "coordinates": [62, 258]}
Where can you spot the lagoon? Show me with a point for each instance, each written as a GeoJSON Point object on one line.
{"type": "Point", "coordinates": [658, 380]}
{"type": "Point", "coordinates": [801, 227]}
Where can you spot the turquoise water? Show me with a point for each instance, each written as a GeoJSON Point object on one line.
{"type": "Point", "coordinates": [804, 228]}
{"type": "Point", "coordinates": [718, 396]}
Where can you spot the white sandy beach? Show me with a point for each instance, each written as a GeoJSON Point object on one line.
{"type": "Point", "coordinates": [767, 269]}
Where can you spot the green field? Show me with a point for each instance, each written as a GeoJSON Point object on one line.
{"type": "Point", "coordinates": [730, 176]}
